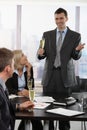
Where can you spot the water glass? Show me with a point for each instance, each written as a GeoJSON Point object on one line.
{"type": "Point", "coordinates": [81, 104]}
{"type": "Point", "coordinates": [83, 101]}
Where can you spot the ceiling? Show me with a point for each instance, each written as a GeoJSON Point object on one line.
{"type": "Point", "coordinates": [46, 1]}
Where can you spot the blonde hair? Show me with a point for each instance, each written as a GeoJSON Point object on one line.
{"type": "Point", "coordinates": [17, 56]}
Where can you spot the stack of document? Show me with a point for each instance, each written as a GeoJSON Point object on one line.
{"type": "Point", "coordinates": [64, 112]}
{"type": "Point", "coordinates": [44, 99]}
{"type": "Point", "coordinates": [41, 105]}
{"type": "Point", "coordinates": [42, 102]}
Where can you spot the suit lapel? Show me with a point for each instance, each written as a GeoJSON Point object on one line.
{"type": "Point", "coordinates": [65, 42]}
{"type": "Point", "coordinates": [53, 40]}
{"type": "Point", "coordinates": [66, 39]}
{"type": "Point", "coordinates": [4, 95]}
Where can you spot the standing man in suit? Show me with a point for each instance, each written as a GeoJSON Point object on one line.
{"type": "Point", "coordinates": [59, 73]}
{"type": "Point", "coordinates": [7, 114]}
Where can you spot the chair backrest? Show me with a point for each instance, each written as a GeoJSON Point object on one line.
{"type": "Point", "coordinates": [83, 85]}
{"type": "Point", "coordinates": [77, 87]}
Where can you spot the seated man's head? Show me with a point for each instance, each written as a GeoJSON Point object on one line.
{"type": "Point", "coordinates": [6, 63]}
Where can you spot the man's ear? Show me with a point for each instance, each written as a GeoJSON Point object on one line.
{"type": "Point", "coordinates": [66, 19]}
{"type": "Point", "coordinates": [7, 68]}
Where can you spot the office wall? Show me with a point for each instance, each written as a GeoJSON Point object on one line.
{"type": "Point", "coordinates": [35, 18]}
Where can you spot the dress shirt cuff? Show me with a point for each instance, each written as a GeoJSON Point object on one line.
{"type": "Point", "coordinates": [18, 107]}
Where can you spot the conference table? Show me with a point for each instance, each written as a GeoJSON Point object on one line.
{"type": "Point", "coordinates": [41, 114]}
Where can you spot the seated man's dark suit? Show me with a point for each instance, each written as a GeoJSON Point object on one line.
{"type": "Point", "coordinates": [7, 115]}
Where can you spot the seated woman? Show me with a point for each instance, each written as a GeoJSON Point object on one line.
{"type": "Point", "coordinates": [17, 84]}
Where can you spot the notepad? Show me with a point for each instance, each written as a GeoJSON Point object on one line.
{"type": "Point", "coordinates": [64, 112]}
{"type": "Point", "coordinates": [44, 99]}
{"type": "Point", "coordinates": [40, 105]}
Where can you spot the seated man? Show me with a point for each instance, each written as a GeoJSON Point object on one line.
{"type": "Point", "coordinates": [7, 114]}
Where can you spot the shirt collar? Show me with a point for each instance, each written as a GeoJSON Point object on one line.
{"type": "Point", "coordinates": [24, 70]}
{"type": "Point", "coordinates": [64, 31]}
{"type": "Point", "coordinates": [2, 83]}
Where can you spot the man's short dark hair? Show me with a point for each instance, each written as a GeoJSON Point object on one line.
{"type": "Point", "coordinates": [6, 57]}
{"type": "Point", "coordinates": [61, 10]}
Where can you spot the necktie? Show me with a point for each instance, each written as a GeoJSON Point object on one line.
{"type": "Point", "coordinates": [57, 61]}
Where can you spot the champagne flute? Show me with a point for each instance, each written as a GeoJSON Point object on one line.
{"type": "Point", "coordinates": [42, 43]}
{"type": "Point", "coordinates": [31, 97]}
{"type": "Point", "coordinates": [31, 94]}
{"type": "Point", "coordinates": [29, 83]}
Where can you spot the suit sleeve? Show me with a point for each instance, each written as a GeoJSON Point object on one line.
{"type": "Point", "coordinates": [76, 54]}
{"type": "Point", "coordinates": [44, 55]}
{"type": "Point", "coordinates": [2, 124]}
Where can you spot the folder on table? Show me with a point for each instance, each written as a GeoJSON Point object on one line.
{"type": "Point", "coordinates": [64, 112]}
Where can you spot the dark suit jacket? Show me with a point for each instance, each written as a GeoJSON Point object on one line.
{"type": "Point", "coordinates": [7, 116]}
{"type": "Point", "coordinates": [67, 54]}
{"type": "Point", "coordinates": [12, 83]}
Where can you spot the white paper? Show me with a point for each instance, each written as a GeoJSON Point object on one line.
{"type": "Point", "coordinates": [12, 96]}
{"type": "Point", "coordinates": [39, 105]}
{"type": "Point", "coordinates": [44, 99]}
{"type": "Point", "coordinates": [65, 112]}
